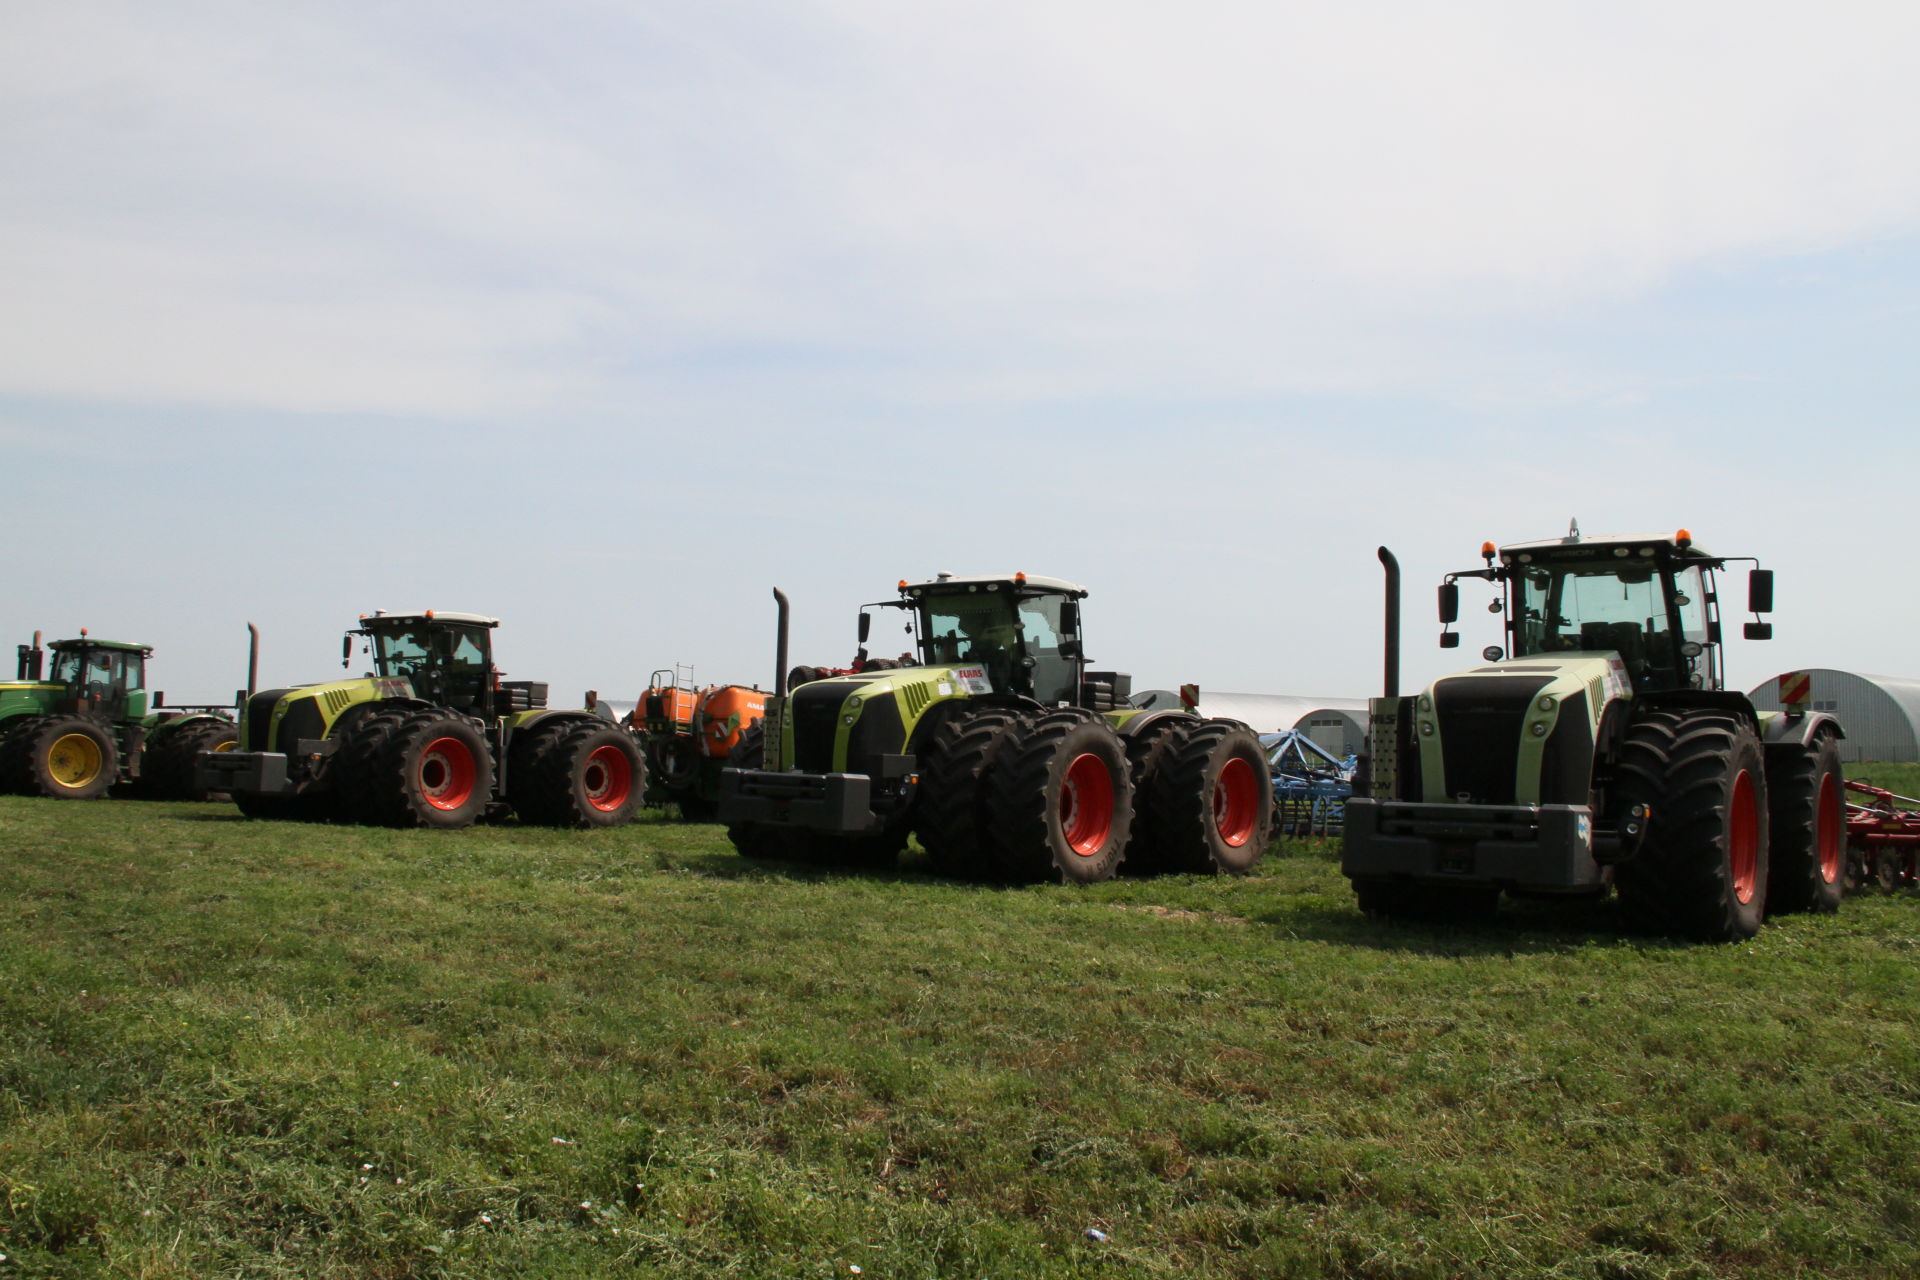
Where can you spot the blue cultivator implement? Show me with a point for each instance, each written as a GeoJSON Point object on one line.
{"type": "Point", "coordinates": [1310, 784]}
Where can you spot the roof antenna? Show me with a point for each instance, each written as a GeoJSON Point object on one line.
{"type": "Point", "coordinates": [1573, 529]}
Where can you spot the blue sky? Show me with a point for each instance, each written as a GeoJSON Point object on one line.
{"type": "Point", "coordinates": [605, 318]}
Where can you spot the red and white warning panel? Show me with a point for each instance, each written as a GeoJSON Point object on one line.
{"type": "Point", "coordinates": [1190, 696]}
{"type": "Point", "coordinates": [1796, 690]}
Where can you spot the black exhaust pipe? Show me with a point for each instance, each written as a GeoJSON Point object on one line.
{"type": "Point", "coordinates": [780, 647]}
{"type": "Point", "coordinates": [32, 660]}
{"type": "Point", "coordinates": [1392, 566]}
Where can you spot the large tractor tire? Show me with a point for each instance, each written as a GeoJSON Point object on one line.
{"type": "Point", "coordinates": [356, 779]}
{"type": "Point", "coordinates": [1209, 802]}
{"type": "Point", "coordinates": [432, 770]}
{"type": "Point", "coordinates": [1701, 872]}
{"type": "Point", "coordinates": [675, 766]}
{"type": "Point", "coordinates": [950, 812]}
{"type": "Point", "coordinates": [1061, 801]}
{"type": "Point", "coordinates": [1147, 749]}
{"type": "Point", "coordinates": [584, 773]}
{"type": "Point", "coordinates": [63, 757]}
{"type": "Point", "coordinates": [14, 733]}
{"type": "Point", "coordinates": [1807, 811]}
{"type": "Point", "coordinates": [167, 771]}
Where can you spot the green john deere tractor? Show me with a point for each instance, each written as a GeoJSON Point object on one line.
{"type": "Point", "coordinates": [993, 743]}
{"type": "Point", "coordinates": [89, 724]}
{"type": "Point", "coordinates": [1600, 749]}
{"type": "Point", "coordinates": [432, 737]}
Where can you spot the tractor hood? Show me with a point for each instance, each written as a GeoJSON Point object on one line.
{"type": "Point", "coordinates": [279, 719]}
{"type": "Point", "coordinates": [839, 722]}
{"type": "Point", "coordinates": [23, 697]}
{"type": "Point", "coordinates": [1520, 731]}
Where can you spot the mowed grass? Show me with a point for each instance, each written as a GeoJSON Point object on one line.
{"type": "Point", "coordinates": [263, 1049]}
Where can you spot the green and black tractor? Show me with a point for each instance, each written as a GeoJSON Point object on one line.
{"type": "Point", "coordinates": [993, 743]}
{"type": "Point", "coordinates": [1599, 749]}
{"type": "Point", "coordinates": [89, 724]}
{"type": "Point", "coordinates": [432, 737]}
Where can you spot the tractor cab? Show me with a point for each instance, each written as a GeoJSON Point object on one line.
{"type": "Point", "coordinates": [1650, 601]}
{"type": "Point", "coordinates": [446, 657]}
{"type": "Point", "coordinates": [1023, 630]}
{"type": "Point", "coordinates": [104, 676]}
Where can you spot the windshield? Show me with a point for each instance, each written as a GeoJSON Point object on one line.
{"type": "Point", "coordinates": [1607, 605]}
{"type": "Point", "coordinates": [976, 627]}
{"type": "Point", "coordinates": [401, 653]}
{"type": "Point", "coordinates": [444, 662]}
{"type": "Point", "coordinates": [1016, 640]}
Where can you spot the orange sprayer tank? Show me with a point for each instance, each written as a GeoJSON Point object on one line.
{"type": "Point", "coordinates": [666, 705]}
{"type": "Point", "coordinates": [725, 710]}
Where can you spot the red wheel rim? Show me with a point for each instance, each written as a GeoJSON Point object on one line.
{"type": "Point", "coordinates": [1743, 837]}
{"type": "Point", "coordinates": [1236, 803]}
{"type": "Point", "coordinates": [447, 773]}
{"type": "Point", "coordinates": [608, 778]}
{"type": "Point", "coordinates": [1086, 805]}
{"type": "Point", "coordinates": [1829, 828]}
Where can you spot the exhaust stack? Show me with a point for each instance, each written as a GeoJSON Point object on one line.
{"type": "Point", "coordinates": [1392, 566]}
{"type": "Point", "coordinates": [780, 647]}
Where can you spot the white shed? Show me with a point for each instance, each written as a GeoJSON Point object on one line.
{"type": "Point", "coordinates": [1881, 714]}
{"type": "Point", "coordinates": [1339, 730]}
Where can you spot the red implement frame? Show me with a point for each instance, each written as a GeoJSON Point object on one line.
{"type": "Point", "coordinates": [1883, 838]}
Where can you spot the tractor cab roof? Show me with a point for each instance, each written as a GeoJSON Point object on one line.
{"type": "Point", "coordinates": [1030, 582]}
{"type": "Point", "coordinates": [379, 618]}
{"type": "Point", "coordinates": [88, 642]}
{"type": "Point", "coordinates": [1678, 544]}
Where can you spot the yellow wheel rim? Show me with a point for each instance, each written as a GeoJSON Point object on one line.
{"type": "Point", "coordinates": [228, 745]}
{"type": "Point", "coordinates": [74, 760]}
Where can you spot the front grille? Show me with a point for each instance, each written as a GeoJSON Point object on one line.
{"type": "Point", "coordinates": [1481, 719]}
{"type": "Point", "coordinates": [879, 731]}
{"type": "Point", "coordinates": [1566, 767]}
{"type": "Point", "coordinates": [303, 720]}
{"type": "Point", "coordinates": [815, 709]}
{"type": "Point", "coordinates": [259, 718]}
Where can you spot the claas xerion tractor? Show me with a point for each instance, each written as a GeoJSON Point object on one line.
{"type": "Point", "coordinates": [89, 723]}
{"type": "Point", "coordinates": [993, 742]}
{"type": "Point", "coordinates": [432, 737]}
{"type": "Point", "coordinates": [1599, 748]}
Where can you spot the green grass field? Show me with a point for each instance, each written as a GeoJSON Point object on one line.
{"type": "Point", "coordinates": [261, 1049]}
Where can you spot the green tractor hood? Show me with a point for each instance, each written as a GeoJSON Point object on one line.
{"type": "Point", "coordinates": [1520, 731]}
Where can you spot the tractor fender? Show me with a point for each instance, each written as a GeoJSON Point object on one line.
{"type": "Point", "coordinates": [521, 721]}
{"type": "Point", "coordinates": [1131, 725]}
{"type": "Point", "coordinates": [1704, 699]}
{"type": "Point", "coordinates": [168, 725]}
{"type": "Point", "coordinates": [1779, 728]}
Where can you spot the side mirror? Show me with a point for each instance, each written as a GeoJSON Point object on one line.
{"type": "Point", "coordinates": [1759, 631]}
{"type": "Point", "coordinates": [1493, 653]}
{"type": "Point", "coordinates": [1070, 618]}
{"type": "Point", "coordinates": [1449, 603]}
{"type": "Point", "coordinates": [1449, 639]}
{"type": "Point", "coordinates": [1760, 590]}
{"type": "Point", "coordinates": [346, 649]}
{"type": "Point", "coordinates": [866, 626]}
